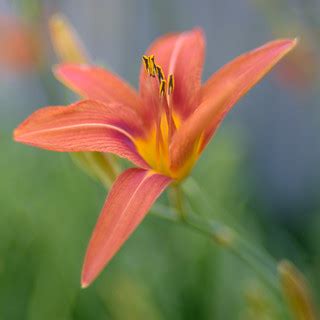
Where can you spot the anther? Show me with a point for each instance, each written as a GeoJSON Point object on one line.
{"type": "Point", "coordinates": [162, 87]}
{"type": "Point", "coordinates": [152, 66]}
{"type": "Point", "coordinates": [170, 84]}
{"type": "Point", "coordinates": [160, 73]}
{"type": "Point", "coordinates": [146, 62]}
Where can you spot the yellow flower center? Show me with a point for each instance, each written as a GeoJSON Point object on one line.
{"type": "Point", "coordinates": [155, 147]}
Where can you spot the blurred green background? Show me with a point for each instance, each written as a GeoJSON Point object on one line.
{"type": "Point", "coordinates": [260, 174]}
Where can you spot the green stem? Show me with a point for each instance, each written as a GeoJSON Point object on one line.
{"type": "Point", "coordinates": [177, 199]}
{"type": "Point", "coordinates": [232, 241]}
{"type": "Point", "coordinates": [257, 259]}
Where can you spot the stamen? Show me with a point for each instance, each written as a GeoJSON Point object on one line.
{"type": "Point", "coordinates": [153, 70]}
{"type": "Point", "coordinates": [145, 60]}
{"type": "Point", "coordinates": [170, 84]}
{"type": "Point", "coordinates": [162, 87]}
{"type": "Point", "coordinates": [166, 88]}
{"type": "Point", "coordinates": [152, 66]}
{"type": "Point", "coordinates": [160, 73]}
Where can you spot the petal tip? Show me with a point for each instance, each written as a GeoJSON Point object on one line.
{"type": "Point", "coordinates": [295, 41]}
{"type": "Point", "coordinates": [57, 19]}
{"type": "Point", "coordinates": [290, 43]}
{"type": "Point", "coordinates": [86, 279]}
{"type": "Point", "coordinates": [198, 29]}
{"type": "Point", "coordinates": [84, 284]}
{"type": "Point", "coordinates": [16, 135]}
{"type": "Point", "coordinates": [199, 33]}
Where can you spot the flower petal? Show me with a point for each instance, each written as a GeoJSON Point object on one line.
{"type": "Point", "coordinates": [241, 75]}
{"type": "Point", "coordinates": [185, 142]}
{"type": "Point", "coordinates": [128, 202]}
{"type": "Point", "coordinates": [181, 54]}
{"type": "Point", "coordinates": [98, 84]}
{"type": "Point", "coordinates": [220, 93]}
{"type": "Point", "coordinates": [84, 126]}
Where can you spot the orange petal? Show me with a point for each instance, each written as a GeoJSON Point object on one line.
{"type": "Point", "coordinates": [84, 126]}
{"type": "Point", "coordinates": [181, 54]}
{"type": "Point", "coordinates": [128, 202]}
{"type": "Point", "coordinates": [98, 84]}
{"type": "Point", "coordinates": [240, 75]}
{"type": "Point", "coordinates": [221, 92]}
{"type": "Point", "coordinates": [184, 146]}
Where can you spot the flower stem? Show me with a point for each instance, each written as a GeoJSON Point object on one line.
{"type": "Point", "coordinates": [229, 239]}
{"type": "Point", "coordinates": [177, 196]}
{"type": "Point", "coordinates": [262, 263]}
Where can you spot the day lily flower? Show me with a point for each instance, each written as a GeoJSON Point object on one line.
{"type": "Point", "coordinates": [162, 130]}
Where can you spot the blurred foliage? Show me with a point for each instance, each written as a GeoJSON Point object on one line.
{"type": "Point", "coordinates": [163, 272]}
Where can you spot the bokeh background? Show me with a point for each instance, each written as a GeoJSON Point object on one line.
{"type": "Point", "coordinates": [260, 174]}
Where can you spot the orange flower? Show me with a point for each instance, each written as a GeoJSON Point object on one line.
{"type": "Point", "coordinates": [162, 130]}
{"type": "Point", "coordinates": [20, 46]}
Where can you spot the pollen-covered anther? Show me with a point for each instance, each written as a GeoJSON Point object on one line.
{"type": "Point", "coordinates": [155, 70]}
{"type": "Point", "coordinates": [162, 87]}
{"type": "Point", "coordinates": [159, 73]}
{"type": "Point", "coordinates": [170, 84]}
{"type": "Point", "coordinates": [152, 66]}
{"type": "Point", "coordinates": [145, 60]}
